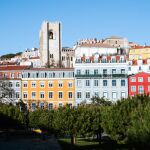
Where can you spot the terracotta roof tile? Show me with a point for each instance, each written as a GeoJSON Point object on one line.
{"type": "Point", "coordinates": [13, 68]}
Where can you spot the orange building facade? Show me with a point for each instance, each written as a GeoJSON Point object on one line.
{"type": "Point", "coordinates": [48, 88]}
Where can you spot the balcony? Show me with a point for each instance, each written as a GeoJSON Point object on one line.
{"type": "Point", "coordinates": [88, 75]}
{"type": "Point", "coordinates": [101, 75]}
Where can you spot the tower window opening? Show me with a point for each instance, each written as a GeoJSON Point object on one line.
{"type": "Point", "coordinates": [51, 35]}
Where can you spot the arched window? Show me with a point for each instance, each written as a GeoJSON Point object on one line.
{"type": "Point", "coordinates": [51, 35]}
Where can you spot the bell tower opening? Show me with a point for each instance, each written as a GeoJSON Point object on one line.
{"type": "Point", "coordinates": [51, 35]}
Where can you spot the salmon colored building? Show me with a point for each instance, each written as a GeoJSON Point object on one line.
{"type": "Point", "coordinates": [139, 84]}
{"type": "Point", "coordinates": [48, 88]}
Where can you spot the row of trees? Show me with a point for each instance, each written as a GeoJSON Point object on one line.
{"type": "Point", "coordinates": [126, 121]}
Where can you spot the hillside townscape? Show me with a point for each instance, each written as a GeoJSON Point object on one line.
{"type": "Point", "coordinates": [98, 89]}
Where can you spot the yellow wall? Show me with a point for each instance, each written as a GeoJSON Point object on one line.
{"type": "Point", "coordinates": [142, 53]}
{"type": "Point", "coordinates": [46, 89]}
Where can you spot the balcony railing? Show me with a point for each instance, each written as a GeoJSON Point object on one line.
{"type": "Point", "coordinates": [101, 75]}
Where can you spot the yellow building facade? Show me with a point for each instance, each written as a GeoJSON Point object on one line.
{"type": "Point", "coordinates": [48, 88]}
{"type": "Point", "coordinates": [139, 53]}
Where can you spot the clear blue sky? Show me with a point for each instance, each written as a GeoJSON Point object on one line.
{"type": "Point", "coordinates": [20, 21]}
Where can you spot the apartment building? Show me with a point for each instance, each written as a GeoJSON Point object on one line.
{"type": "Point", "coordinates": [139, 84]}
{"type": "Point", "coordinates": [100, 71]}
{"type": "Point", "coordinates": [48, 88]}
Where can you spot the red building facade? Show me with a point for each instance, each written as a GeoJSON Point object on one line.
{"type": "Point", "coordinates": [139, 84]}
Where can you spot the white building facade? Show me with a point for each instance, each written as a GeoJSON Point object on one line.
{"type": "Point", "coordinates": [100, 72]}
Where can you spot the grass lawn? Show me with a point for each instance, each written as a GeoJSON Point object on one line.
{"type": "Point", "coordinates": [88, 144]}
{"type": "Point", "coordinates": [81, 144]}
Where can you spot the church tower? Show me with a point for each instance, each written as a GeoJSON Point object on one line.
{"type": "Point", "coordinates": [50, 44]}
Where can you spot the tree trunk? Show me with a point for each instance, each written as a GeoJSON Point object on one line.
{"type": "Point", "coordinates": [100, 137]}
{"type": "Point", "coordinates": [73, 140]}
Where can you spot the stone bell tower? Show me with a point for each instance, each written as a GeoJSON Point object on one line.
{"type": "Point", "coordinates": [50, 44]}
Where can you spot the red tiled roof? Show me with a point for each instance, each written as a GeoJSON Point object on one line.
{"type": "Point", "coordinates": [13, 68]}
{"type": "Point", "coordinates": [49, 69]}
{"type": "Point", "coordinates": [8, 63]}
{"type": "Point", "coordinates": [139, 47]}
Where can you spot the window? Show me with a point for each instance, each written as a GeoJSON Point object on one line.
{"type": "Point", "coordinates": [104, 71]}
{"type": "Point", "coordinates": [105, 94]}
{"type": "Point", "coordinates": [140, 68]}
{"type": "Point", "coordinates": [50, 106]}
{"type": "Point", "coordinates": [60, 105]}
{"type": "Point", "coordinates": [50, 84]}
{"type": "Point", "coordinates": [79, 83]}
{"type": "Point", "coordinates": [70, 105]}
{"type": "Point", "coordinates": [60, 94]}
{"type": "Point", "coordinates": [96, 94]}
{"type": "Point", "coordinates": [25, 95]}
{"type": "Point", "coordinates": [51, 35]}
{"type": "Point", "coordinates": [148, 79]}
{"type": "Point", "coordinates": [25, 84]}
{"type": "Point", "coordinates": [33, 95]}
{"type": "Point", "coordinates": [12, 75]}
{"type": "Point", "coordinates": [70, 84]}
{"type": "Point", "coordinates": [114, 95]}
{"type": "Point", "coordinates": [17, 84]}
{"type": "Point", "coordinates": [10, 95]}
{"type": "Point", "coordinates": [87, 82]}
{"type": "Point", "coordinates": [42, 105]}
{"type": "Point", "coordinates": [87, 94]}
{"type": "Point", "coordinates": [17, 94]}
{"type": "Point", "coordinates": [69, 94]}
{"type": "Point", "coordinates": [78, 72]}
{"type": "Point", "coordinates": [104, 60]}
{"type": "Point", "coordinates": [51, 56]}
{"type": "Point", "coordinates": [95, 82]}
{"type": "Point", "coordinates": [133, 79]}
{"type": "Point", "coordinates": [41, 94]}
{"type": "Point", "coordinates": [33, 106]}
{"type": "Point", "coordinates": [140, 79]}
{"type": "Point", "coordinates": [42, 84]}
{"type": "Point", "coordinates": [122, 71]}
{"type": "Point", "coordinates": [133, 88]}
{"type": "Point", "coordinates": [149, 88]}
{"type": "Point", "coordinates": [113, 60]}
{"type": "Point", "coordinates": [129, 68]}
{"type": "Point", "coordinates": [10, 84]}
{"type": "Point", "coordinates": [33, 84]}
{"type": "Point", "coordinates": [78, 94]}
{"type": "Point", "coordinates": [50, 94]}
{"type": "Point", "coordinates": [122, 82]}
{"type": "Point", "coordinates": [5, 75]}
{"type": "Point", "coordinates": [140, 89]}
{"type": "Point", "coordinates": [113, 82]}
{"type": "Point", "coordinates": [60, 84]}
{"type": "Point", "coordinates": [95, 71]}
{"type": "Point", "coordinates": [87, 72]}
{"type": "Point", "coordinates": [123, 95]}
{"type": "Point", "coordinates": [104, 82]}
{"type": "Point", "coordinates": [113, 71]}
